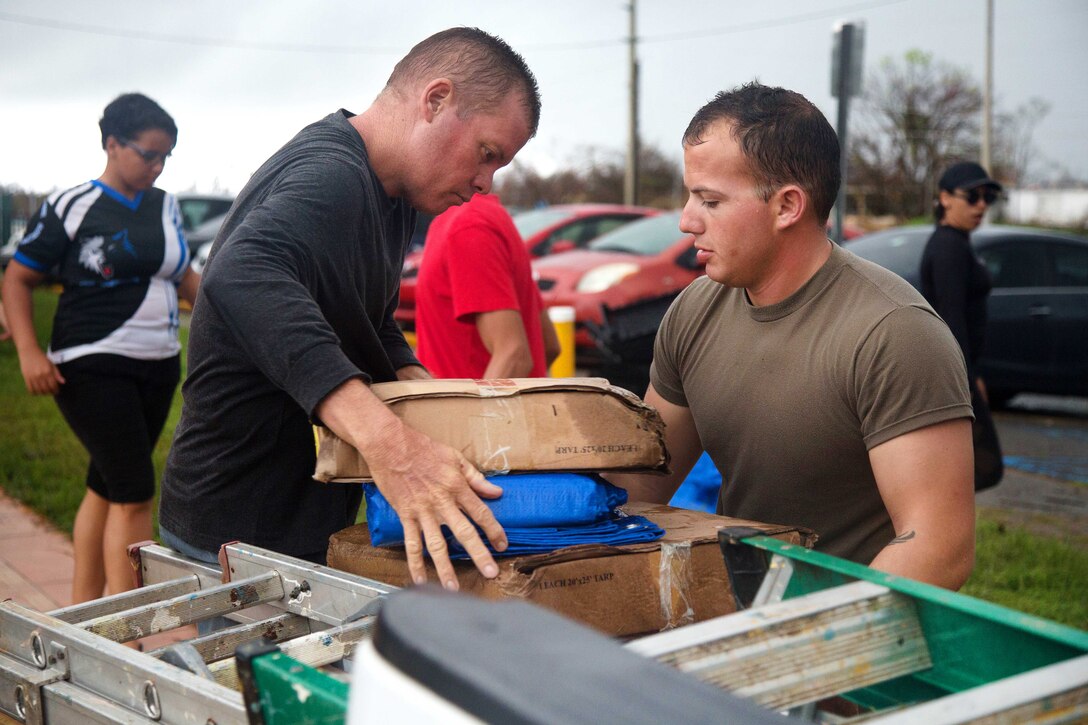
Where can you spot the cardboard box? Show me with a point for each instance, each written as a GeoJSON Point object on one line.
{"type": "Point", "coordinates": [537, 424]}
{"type": "Point", "coordinates": [621, 591]}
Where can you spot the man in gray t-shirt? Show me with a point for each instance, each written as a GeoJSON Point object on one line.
{"type": "Point", "coordinates": [824, 388]}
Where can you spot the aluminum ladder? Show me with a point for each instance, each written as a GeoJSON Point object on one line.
{"type": "Point", "coordinates": [71, 666]}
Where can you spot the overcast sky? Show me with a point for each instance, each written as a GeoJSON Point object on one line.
{"type": "Point", "coordinates": [242, 77]}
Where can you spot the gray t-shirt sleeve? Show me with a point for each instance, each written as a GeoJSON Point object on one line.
{"type": "Point", "coordinates": [892, 397]}
{"type": "Point", "coordinates": [665, 375]}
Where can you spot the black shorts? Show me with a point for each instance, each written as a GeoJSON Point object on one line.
{"type": "Point", "coordinates": [117, 407]}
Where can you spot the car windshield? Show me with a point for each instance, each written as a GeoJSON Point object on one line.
{"type": "Point", "coordinates": [897, 250]}
{"type": "Point", "coordinates": [531, 222]}
{"type": "Point", "coordinates": [195, 210]}
{"type": "Point", "coordinates": [652, 235]}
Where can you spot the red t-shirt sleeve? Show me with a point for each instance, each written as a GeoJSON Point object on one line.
{"type": "Point", "coordinates": [480, 273]}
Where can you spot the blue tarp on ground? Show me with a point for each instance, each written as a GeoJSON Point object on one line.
{"type": "Point", "coordinates": [1067, 468]}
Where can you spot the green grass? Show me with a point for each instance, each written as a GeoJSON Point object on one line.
{"type": "Point", "coordinates": [43, 465]}
{"type": "Point", "coordinates": [1035, 574]}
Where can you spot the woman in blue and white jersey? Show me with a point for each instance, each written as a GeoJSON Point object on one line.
{"type": "Point", "coordinates": [113, 361]}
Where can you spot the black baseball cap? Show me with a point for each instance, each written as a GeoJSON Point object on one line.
{"type": "Point", "coordinates": [966, 175]}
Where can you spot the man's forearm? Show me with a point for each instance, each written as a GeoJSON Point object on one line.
{"type": "Point", "coordinates": [357, 416]}
{"type": "Point", "coordinates": [934, 560]}
{"type": "Point", "coordinates": [428, 484]}
{"type": "Point", "coordinates": [926, 480]}
{"type": "Point", "coordinates": [510, 362]}
{"type": "Point", "coordinates": [503, 335]}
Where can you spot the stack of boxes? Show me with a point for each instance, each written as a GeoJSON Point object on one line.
{"type": "Point", "coordinates": [575, 424]}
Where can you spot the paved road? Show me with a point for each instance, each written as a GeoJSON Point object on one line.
{"type": "Point", "coordinates": [1045, 443]}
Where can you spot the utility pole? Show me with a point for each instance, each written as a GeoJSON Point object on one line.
{"type": "Point", "coordinates": [846, 72]}
{"type": "Point", "coordinates": [630, 177]}
{"type": "Point", "coordinates": [988, 91]}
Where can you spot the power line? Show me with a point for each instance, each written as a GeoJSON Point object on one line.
{"type": "Point", "coordinates": [189, 40]}
{"type": "Point", "coordinates": [380, 50]}
{"type": "Point", "coordinates": [730, 30]}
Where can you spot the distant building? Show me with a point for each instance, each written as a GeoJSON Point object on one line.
{"type": "Point", "coordinates": [1066, 208]}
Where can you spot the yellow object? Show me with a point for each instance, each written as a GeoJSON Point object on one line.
{"type": "Point", "coordinates": [563, 319]}
{"type": "Point", "coordinates": [410, 337]}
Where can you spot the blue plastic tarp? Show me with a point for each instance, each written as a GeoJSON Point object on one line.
{"type": "Point", "coordinates": [699, 491]}
{"type": "Point", "coordinates": [539, 511]}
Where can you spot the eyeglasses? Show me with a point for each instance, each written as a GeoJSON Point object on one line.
{"type": "Point", "coordinates": [149, 157]}
{"type": "Point", "coordinates": [971, 196]}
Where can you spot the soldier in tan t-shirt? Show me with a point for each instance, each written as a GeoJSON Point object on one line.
{"type": "Point", "coordinates": [824, 388]}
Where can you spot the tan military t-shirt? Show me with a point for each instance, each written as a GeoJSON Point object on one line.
{"type": "Point", "coordinates": [788, 398]}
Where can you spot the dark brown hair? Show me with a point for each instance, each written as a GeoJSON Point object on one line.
{"type": "Point", "coordinates": [786, 139]}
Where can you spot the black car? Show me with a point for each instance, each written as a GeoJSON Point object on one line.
{"type": "Point", "coordinates": [1037, 328]}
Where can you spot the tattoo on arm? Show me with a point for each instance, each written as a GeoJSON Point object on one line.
{"type": "Point", "coordinates": [903, 538]}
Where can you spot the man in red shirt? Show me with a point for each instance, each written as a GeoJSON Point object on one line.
{"type": "Point", "coordinates": [478, 311]}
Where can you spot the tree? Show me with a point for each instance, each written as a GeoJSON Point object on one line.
{"type": "Point", "coordinates": [918, 116]}
{"type": "Point", "coordinates": [1015, 153]}
{"type": "Point", "coordinates": [597, 178]}
{"type": "Point", "coordinates": [914, 117]}
{"type": "Point", "coordinates": [525, 187]}
{"type": "Point", "coordinates": [16, 207]}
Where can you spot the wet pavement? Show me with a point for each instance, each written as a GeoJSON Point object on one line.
{"type": "Point", "coordinates": [1045, 444]}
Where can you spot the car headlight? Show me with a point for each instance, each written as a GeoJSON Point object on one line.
{"type": "Point", "coordinates": [605, 276]}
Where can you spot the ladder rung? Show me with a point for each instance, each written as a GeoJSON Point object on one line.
{"type": "Point", "coordinates": [313, 591]}
{"type": "Point", "coordinates": [148, 594]}
{"type": "Point", "coordinates": [159, 564]}
{"type": "Point", "coordinates": [800, 650]}
{"type": "Point", "coordinates": [314, 650]}
{"type": "Point", "coordinates": [222, 643]}
{"type": "Point", "coordinates": [188, 608]}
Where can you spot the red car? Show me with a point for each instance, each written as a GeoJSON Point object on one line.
{"type": "Point", "coordinates": [546, 231]}
{"type": "Point", "coordinates": [650, 259]}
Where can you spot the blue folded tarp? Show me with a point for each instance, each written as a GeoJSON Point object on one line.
{"type": "Point", "coordinates": [616, 530]}
{"type": "Point", "coordinates": [539, 511]}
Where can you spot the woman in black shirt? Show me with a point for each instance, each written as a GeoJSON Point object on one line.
{"type": "Point", "coordinates": [956, 284]}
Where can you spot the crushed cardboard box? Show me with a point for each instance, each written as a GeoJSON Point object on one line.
{"type": "Point", "coordinates": [621, 591]}
{"type": "Point", "coordinates": [538, 424]}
